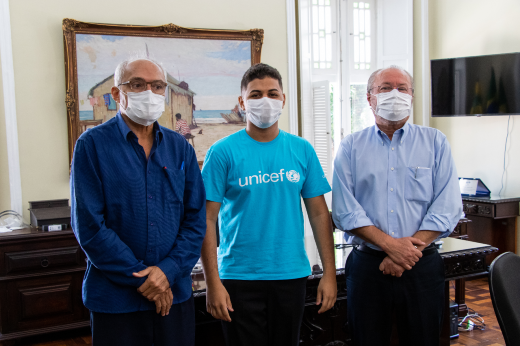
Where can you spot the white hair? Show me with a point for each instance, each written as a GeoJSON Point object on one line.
{"type": "Point", "coordinates": [121, 68]}
{"type": "Point", "coordinates": [376, 73]}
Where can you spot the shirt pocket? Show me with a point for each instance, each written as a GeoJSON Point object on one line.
{"type": "Point", "coordinates": [419, 186]}
{"type": "Point", "coordinates": [174, 189]}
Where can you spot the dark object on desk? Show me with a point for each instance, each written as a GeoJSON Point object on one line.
{"type": "Point", "coordinates": [504, 286]}
{"type": "Point", "coordinates": [493, 222]}
{"type": "Point", "coordinates": [52, 228]}
{"type": "Point", "coordinates": [52, 212]}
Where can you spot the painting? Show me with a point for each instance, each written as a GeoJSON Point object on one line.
{"type": "Point", "coordinates": [204, 68]}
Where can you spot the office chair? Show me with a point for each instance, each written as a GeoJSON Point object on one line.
{"type": "Point", "coordinates": [504, 288]}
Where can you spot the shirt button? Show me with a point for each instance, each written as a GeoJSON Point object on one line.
{"type": "Point", "coordinates": [150, 196]}
{"type": "Point", "coordinates": [391, 211]}
{"type": "Point", "coordinates": [149, 172]}
{"type": "Point", "coordinates": [392, 233]}
{"type": "Point", "coordinates": [151, 223]}
{"type": "Point", "coordinates": [390, 168]}
{"type": "Point", "coordinates": [391, 189]}
{"type": "Point", "coordinates": [392, 148]}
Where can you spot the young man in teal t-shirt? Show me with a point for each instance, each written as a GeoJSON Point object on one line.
{"type": "Point", "coordinates": [254, 182]}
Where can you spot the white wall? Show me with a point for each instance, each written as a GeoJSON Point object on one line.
{"type": "Point", "coordinates": [40, 78]}
{"type": "Point", "coordinates": [479, 27]}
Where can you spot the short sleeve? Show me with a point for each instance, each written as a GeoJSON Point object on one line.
{"type": "Point", "coordinates": [214, 174]}
{"type": "Point", "coordinates": [316, 183]}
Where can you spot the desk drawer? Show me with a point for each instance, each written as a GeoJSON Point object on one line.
{"type": "Point", "coordinates": [42, 302]}
{"type": "Point", "coordinates": [44, 259]}
{"type": "Point", "coordinates": [479, 209]}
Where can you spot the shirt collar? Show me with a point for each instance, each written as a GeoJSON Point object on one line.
{"type": "Point", "coordinates": [403, 131]}
{"type": "Point", "coordinates": [125, 130]}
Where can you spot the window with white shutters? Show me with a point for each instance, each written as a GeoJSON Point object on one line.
{"type": "Point", "coordinates": [323, 39]}
{"type": "Point", "coordinates": [322, 125]}
{"type": "Point", "coordinates": [362, 25]}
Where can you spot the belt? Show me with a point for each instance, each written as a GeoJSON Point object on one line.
{"type": "Point", "coordinates": [430, 249]}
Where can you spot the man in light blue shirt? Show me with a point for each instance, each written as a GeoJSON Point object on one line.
{"type": "Point", "coordinates": [395, 191]}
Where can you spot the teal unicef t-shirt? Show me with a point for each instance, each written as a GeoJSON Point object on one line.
{"type": "Point", "coordinates": [259, 186]}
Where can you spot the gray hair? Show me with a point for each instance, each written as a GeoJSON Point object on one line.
{"type": "Point", "coordinates": [121, 68]}
{"type": "Point", "coordinates": [376, 73]}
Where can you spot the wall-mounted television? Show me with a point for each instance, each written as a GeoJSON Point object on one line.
{"type": "Point", "coordinates": [475, 86]}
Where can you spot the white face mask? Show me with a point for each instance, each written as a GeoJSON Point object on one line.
{"type": "Point", "coordinates": [394, 105]}
{"type": "Point", "coordinates": [264, 112]}
{"type": "Point", "coordinates": [144, 108]}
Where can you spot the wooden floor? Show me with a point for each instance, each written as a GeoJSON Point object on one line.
{"type": "Point", "coordinates": [477, 298]}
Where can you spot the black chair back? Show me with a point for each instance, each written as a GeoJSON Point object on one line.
{"type": "Point", "coordinates": [504, 288]}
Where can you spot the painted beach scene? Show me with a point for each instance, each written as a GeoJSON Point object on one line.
{"type": "Point", "coordinates": [203, 79]}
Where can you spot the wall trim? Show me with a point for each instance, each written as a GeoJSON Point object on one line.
{"type": "Point", "coordinates": [425, 63]}
{"type": "Point", "coordinates": [11, 127]}
{"type": "Point", "coordinates": [292, 95]}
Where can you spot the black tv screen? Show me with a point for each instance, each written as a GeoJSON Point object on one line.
{"type": "Point", "coordinates": [474, 86]}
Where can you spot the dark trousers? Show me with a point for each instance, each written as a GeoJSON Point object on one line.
{"type": "Point", "coordinates": [145, 328]}
{"type": "Point", "coordinates": [267, 312]}
{"type": "Point", "coordinates": [415, 300]}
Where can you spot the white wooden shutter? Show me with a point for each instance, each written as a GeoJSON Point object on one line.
{"type": "Point", "coordinates": [321, 121]}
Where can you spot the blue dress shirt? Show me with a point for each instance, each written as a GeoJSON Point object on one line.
{"type": "Point", "coordinates": [129, 213]}
{"type": "Point", "coordinates": [401, 186]}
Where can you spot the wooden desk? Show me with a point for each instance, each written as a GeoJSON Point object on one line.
{"type": "Point", "coordinates": [493, 222]}
{"type": "Point", "coordinates": [41, 274]}
{"type": "Point", "coordinates": [462, 259]}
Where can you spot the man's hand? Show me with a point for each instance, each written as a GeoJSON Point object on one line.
{"type": "Point", "coordinates": [163, 302]}
{"type": "Point", "coordinates": [403, 251]}
{"type": "Point", "coordinates": [389, 267]}
{"type": "Point", "coordinates": [218, 302]}
{"type": "Point", "coordinates": [156, 283]}
{"type": "Point", "coordinates": [327, 292]}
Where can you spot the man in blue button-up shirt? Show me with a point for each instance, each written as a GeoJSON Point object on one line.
{"type": "Point", "coordinates": [138, 212]}
{"type": "Point", "coordinates": [395, 191]}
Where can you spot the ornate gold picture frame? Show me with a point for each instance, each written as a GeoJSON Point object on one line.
{"type": "Point", "coordinates": [203, 66]}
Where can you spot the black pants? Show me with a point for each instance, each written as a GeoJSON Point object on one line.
{"type": "Point", "coordinates": [267, 312]}
{"type": "Point", "coordinates": [145, 328]}
{"type": "Point", "coordinates": [415, 300]}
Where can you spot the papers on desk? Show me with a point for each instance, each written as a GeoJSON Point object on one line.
{"type": "Point", "coordinates": [473, 187]}
{"type": "Point", "coordinates": [4, 230]}
{"type": "Point", "coordinates": [468, 187]}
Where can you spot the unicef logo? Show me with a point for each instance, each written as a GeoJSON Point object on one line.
{"type": "Point", "coordinates": [293, 176]}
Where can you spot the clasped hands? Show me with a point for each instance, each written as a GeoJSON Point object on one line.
{"type": "Point", "coordinates": [156, 289]}
{"type": "Point", "coordinates": [402, 255]}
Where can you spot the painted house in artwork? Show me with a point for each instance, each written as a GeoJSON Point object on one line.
{"type": "Point", "coordinates": [178, 100]}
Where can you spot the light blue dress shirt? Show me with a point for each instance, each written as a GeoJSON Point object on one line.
{"type": "Point", "coordinates": [401, 186]}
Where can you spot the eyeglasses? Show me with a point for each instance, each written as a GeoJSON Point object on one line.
{"type": "Point", "coordinates": [388, 88]}
{"type": "Point", "coordinates": [138, 85]}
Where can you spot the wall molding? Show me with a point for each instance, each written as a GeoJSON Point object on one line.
{"type": "Point", "coordinates": [11, 127]}
{"type": "Point", "coordinates": [292, 95]}
{"type": "Point", "coordinates": [425, 64]}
